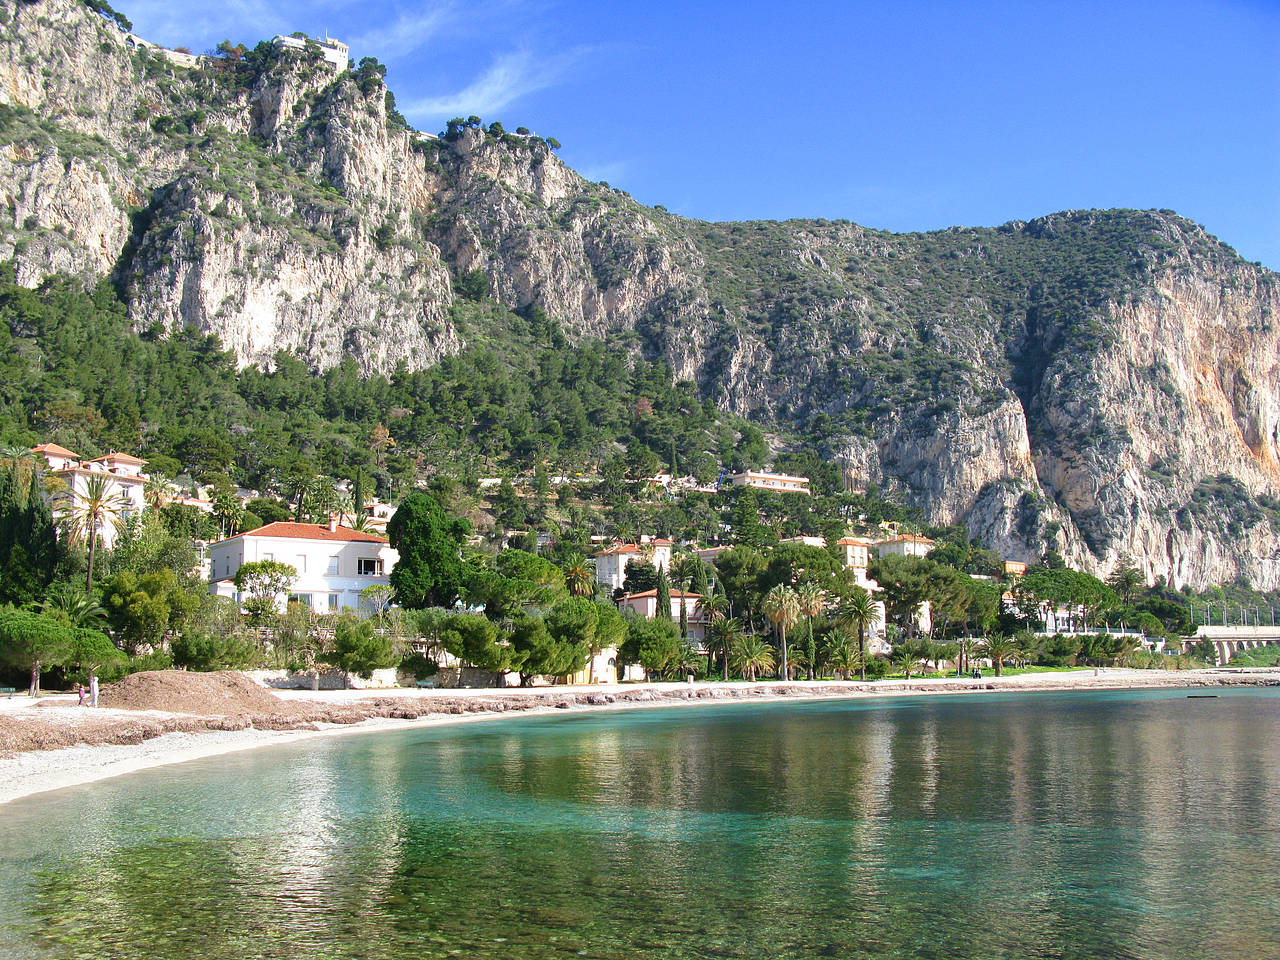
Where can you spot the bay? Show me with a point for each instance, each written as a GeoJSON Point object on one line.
{"type": "Point", "coordinates": [1119, 824]}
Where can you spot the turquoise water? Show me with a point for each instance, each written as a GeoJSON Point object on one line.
{"type": "Point", "coordinates": [1116, 825]}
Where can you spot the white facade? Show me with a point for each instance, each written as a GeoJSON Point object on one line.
{"type": "Point", "coordinates": [906, 545]}
{"type": "Point", "coordinates": [774, 482]}
{"type": "Point", "coordinates": [611, 564]}
{"type": "Point", "coordinates": [334, 563]}
{"type": "Point", "coordinates": [125, 484]}
{"type": "Point", "coordinates": [336, 53]}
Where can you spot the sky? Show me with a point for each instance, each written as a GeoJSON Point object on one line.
{"type": "Point", "coordinates": [898, 115]}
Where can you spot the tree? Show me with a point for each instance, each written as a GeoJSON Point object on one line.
{"type": "Point", "coordinates": [654, 644]}
{"type": "Point", "coordinates": [998, 649]}
{"type": "Point", "coordinates": [811, 602]}
{"type": "Point", "coordinates": [74, 608]}
{"type": "Point", "coordinates": [858, 611]}
{"type": "Point", "coordinates": [683, 569]}
{"type": "Point", "coordinates": [726, 633]}
{"type": "Point", "coordinates": [91, 511]}
{"type": "Point", "coordinates": [579, 575]}
{"type": "Point", "coordinates": [844, 655]}
{"type": "Point", "coordinates": [782, 607]}
{"type": "Point", "coordinates": [144, 610]}
{"type": "Point", "coordinates": [264, 581]}
{"type": "Point", "coordinates": [905, 584]}
{"type": "Point", "coordinates": [475, 640]}
{"type": "Point", "coordinates": [429, 571]}
{"type": "Point", "coordinates": [358, 648]}
{"type": "Point", "coordinates": [752, 656]}
{"type": "Point", "coordinates": [662, 597]}
{"type": "Point", "coordinates": [29, 550]}
{"type": "Point", "coordinates": [1126, 580]}
{"type": "Point", "coordinates": [33, 641]}
{"type": "Point", "coordinates": [92, 650]}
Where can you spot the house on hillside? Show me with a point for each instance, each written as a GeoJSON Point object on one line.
{"type": "Point", "coordinates": [611, 564]}
{"type": "Point", "coordinates": [334, 563]}
{"type": "Point", "coordinates": [904, 545]}
{"type": "Point", "coordinates": [773, 482]}
{"type": "Point", "coordinates": [125, 483]}
{"type": "Point", "coordinates": [645, 603]}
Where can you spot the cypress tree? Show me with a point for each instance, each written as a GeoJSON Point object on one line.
{"type": "Point", "coordinates": [664, 597]}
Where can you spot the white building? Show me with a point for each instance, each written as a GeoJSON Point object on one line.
{"type": "Point", "coordinates": [611, 564]}
{"type": "Point", "coordinates": [773, 482]}
{"type": "Point", "coordinates": [334, 563]}
{"type": "Point", "coordinates": [805, 541]}
{"type": "Point", "coordinates": [123, 473]}
{"type": "Point", "coordinates": [336, 53]}
{"type": "Point", "coordinates": [904, 545]}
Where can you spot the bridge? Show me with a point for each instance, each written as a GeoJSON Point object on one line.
{"type": "Point", "coordinates": [1230, 640]}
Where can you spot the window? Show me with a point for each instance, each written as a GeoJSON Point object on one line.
{"type": "Point", "coordinates": [301, 599]}
{"type": "Point", "coordinates": [333, 603]}
{"type": "Point", "coordinates": [369, 567]}
{"type": "Point", "coordinates": [333, 567]}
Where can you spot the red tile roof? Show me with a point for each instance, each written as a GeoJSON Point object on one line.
{"type": "Point", "coordinates": [56, 450]}
{"type": "Point", "coordinates": [310, 531]}
{"type": "Point", "coordinates": [117, 455]}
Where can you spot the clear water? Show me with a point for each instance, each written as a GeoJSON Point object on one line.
{"type": "Point", "coordinates": [1069, 825]}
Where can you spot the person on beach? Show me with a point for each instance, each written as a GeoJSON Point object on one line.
{"type": "Point", "coordinates": [80, 692]}
{"type": "Point", "coordinates": [93, 691]}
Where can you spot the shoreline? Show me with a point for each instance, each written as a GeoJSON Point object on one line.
{"type": "Point", "coordinates": [31, 772]}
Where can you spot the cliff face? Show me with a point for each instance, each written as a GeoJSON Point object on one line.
{"type": "Point", "coordinates": [1103, 382]}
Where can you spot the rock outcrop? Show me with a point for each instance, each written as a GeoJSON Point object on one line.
{"type": "Point", "coordinates": [1102, 383]}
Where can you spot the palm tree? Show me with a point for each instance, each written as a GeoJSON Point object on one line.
{"type": "Point", "coordinates": [782, 607]}
{"type": "Point", "coordinates": [998, 649]}
{"type": "Point", "coordinates": [812, 601]}
{"type": "Point", "coordinates": [681, 570]}
{"type": "Point", "coordinates": [713, 607]}
{"type": "Point", "coordinates": [857, 611]}
{"type": "Point", "coordinates": [76, 608]}
{"type": "Point", "coordinates": [726, 634]}
{"type": "Point", "coordinates": [90, 511]}
{"type": "Point", "coordinates": [844, 655]}
{"type": "Point", "coordinates": [21, 461]}
{"type": "Point", "coordinates": [579, 575]}
{"type": "Point", "coordinates": [906, 657]}
{"type": "Point", "coordinates": [751, 655]}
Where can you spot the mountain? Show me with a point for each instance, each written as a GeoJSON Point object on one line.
{"type": "Point", "coordinates": [1101, 383]}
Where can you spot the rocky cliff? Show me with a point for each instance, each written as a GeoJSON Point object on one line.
{"type": "Point", "coordinates": [1105, 383]}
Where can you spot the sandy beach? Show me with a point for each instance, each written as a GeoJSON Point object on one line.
{"type": "Point", "coordinates": [52, 743]}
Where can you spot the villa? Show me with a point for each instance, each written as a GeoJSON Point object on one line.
{"type": "Point", "coordinates": [773, 482]}
{"type": "Point", "coordinates": [333, 563]}
{"type": "Point", "coordinates": [904, 545]}
{"type": "Point", "coordinates": [124, 486]}
{"type": "Point", "coordinates": [611, 564]}
{"type": "Point", "coordinates": [645, 603]}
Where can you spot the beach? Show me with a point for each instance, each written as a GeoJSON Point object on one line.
{"type": "Point", "coordinates": [53, 743]}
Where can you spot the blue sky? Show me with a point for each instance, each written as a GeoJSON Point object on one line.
{"type": "Point", "coordinates": [902, 115]}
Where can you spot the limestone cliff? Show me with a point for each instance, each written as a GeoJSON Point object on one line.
{"type": "Point", "coordinates": [1102, 382]}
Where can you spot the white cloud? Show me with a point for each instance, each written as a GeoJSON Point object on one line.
{"type": "Point", "coordinates": [510, 77]}
{"type": "Point", "coordinates": [165, 22]}
{"type": "Point", "coordinates": [408, 34]}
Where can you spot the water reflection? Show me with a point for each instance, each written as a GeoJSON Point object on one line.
{"type": "Point", "coordinates": [1053, 826]}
